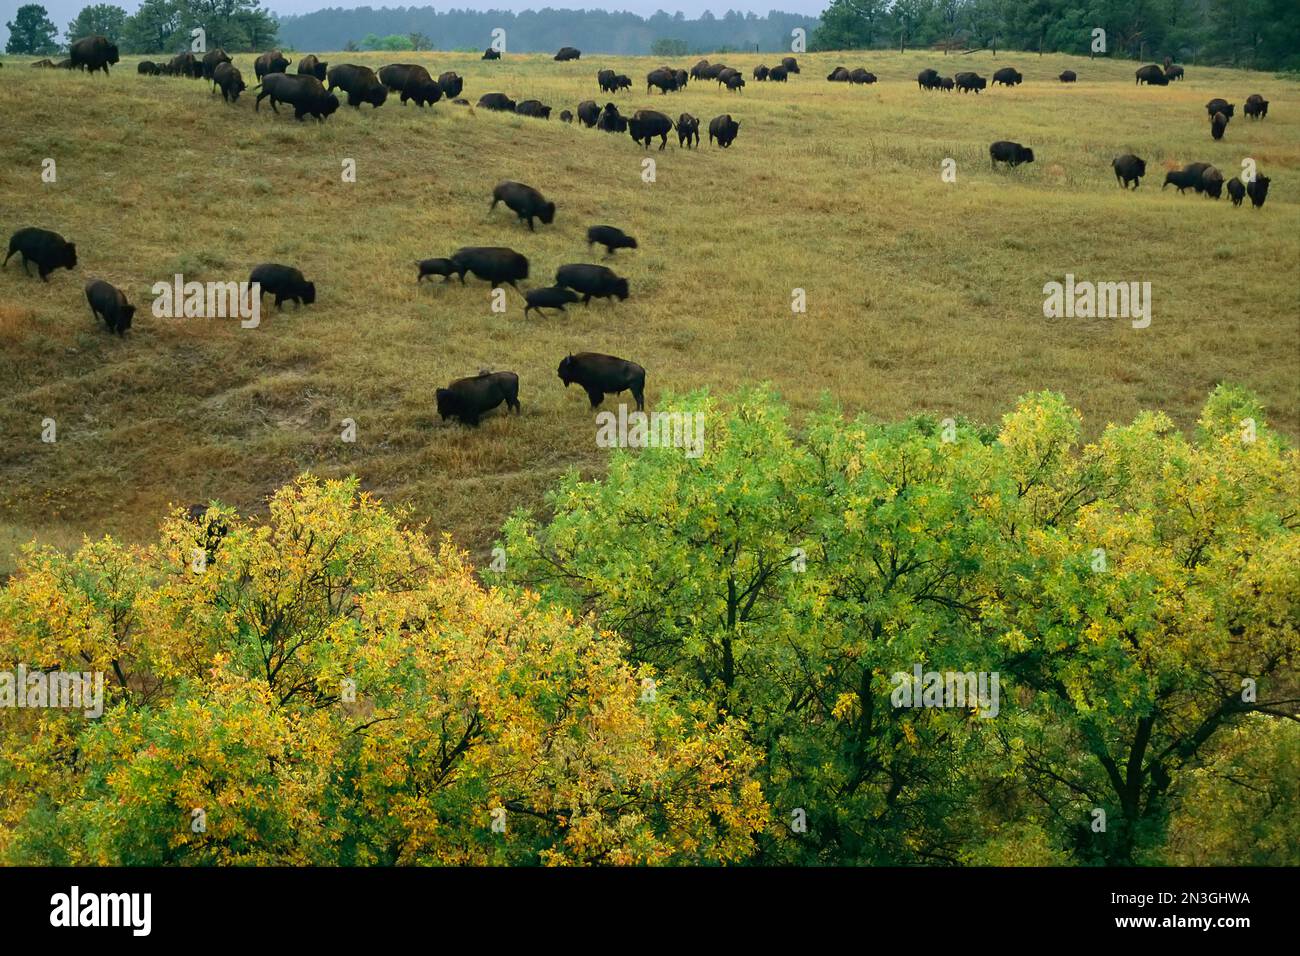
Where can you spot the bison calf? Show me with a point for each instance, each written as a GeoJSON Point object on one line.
{"type": "Point", "coordinates": [1129, 169]}
{"type": "Point", "coordinates": [552, 297]}
{"type": "Point", "coordinates": [435, 267]}
{"type": "Point", "coordinates": [609, 237]}
{"type": "Point", "coordinates": [591, 281]}
{"type": "Point", "coordinates": [109, 303]}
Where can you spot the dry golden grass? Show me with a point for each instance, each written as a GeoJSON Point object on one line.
{"type": "Point", "coordinates": [922, 296]}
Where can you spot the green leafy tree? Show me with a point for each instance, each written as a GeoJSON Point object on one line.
{"type": "Point", "coordinates": [31, 32]}
{"type": "Point", "coordinates": [151, 29]}
{"type": "Point", "coordinates": [100, 19]}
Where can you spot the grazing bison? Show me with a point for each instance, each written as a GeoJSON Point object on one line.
{"type": "Point", "coordinates": [947, 84]}
{"type": "Point", "coordinates": [468, 398]}
{"type": "Point", "coordinates": [1218, 105]}
{"type": "Point", "coordinates": [645, 125]}
{"type": "Point", "coordinates": [109, 304]}
{"type": "Point", "coordinates": [735, 83]}
{"type": "Point", "coordinates": [790, 63]}
{"type": "Point", "coordinates": [214, 58]}
{"type": "Point", "coordinates": [605, 78]}
{"type": "Point", "coordinates": [591, 281]}
{"type": "Point", "coordinates": [663, 79]}
{"type": "Point", "coordinates": [1217, 125]}
{"type": "Point", "coordinates": [552, 297]}
{"type": "Point", "coordinates": [229, 80]}
{"type": "Point", "coordinates": [1187, 177]}
{"type": "Point", "coordinates": [1257, 190]}
{"type": "Point", "coordinates": [862, 77]}
{"type": "Point", "coordinates": [533, 108]}
{"type": "Point", "coordinates": [778, 74]}
{"type": "Point", "coordinates": [184, 64]}
{"type": "Point", "coordinates": [412, 82]}
{"type": "Point", "coordinates": [494, 264]}
{"type": "Point", "coordinates": [524, 201]}
{"type": "Point", "coordinates": [688, 131]}
{"type": "Point", "coordinates": [435, 267]}
{"type": "Point", "coordinates": [568, 53]}
{"type": "Point", "coordinates": [306, 94]}
{"type": "Point", "coordinates": [360, 84]}
{"type": "Point", "coordinates": [566, 116]}
{"type": "Point", "coordinates": [496, 101]}
{"type": "Point", "coordinates": [601, 375]}
{"type": "Point", "coordinates": [711, 71]}
{"type": "Point", "coordinates": [838, 75]}
{"type": "Point", "coordinates": [624, 82]}
{"type": "Point", "coordinates": [284, 282]}
{"type": "Point", "coordinates": [1008, 76]}
{"type": "Point", "coordinates": [272, 61]}
{"type": "Point", "coordinates": [1013, 154]}
{"type": "Point", "coordinates": [1256, 106]}
{"type": "Point", "coordinates": [1173, 72]}
{"type": "Point", "coordinates": [1236, 191]}
{"type": "Point", "coordinates": [47, 249]}
{"type": "Point", "coordinates": [93, 53]}
{"type": "Point", "coordinates": [1151, 75]}
{"type": "Point", "coordinates": [610, 120]}
{"type": "Point", "coordinates": [451, 84]}
{"type": "Point", "coordinates": [1068, 76]}
{"type": "Point", "coordinates": [724, 129]}
{"type": "Point", "coordinates": [682, 79]}
{"type": "Point", "coordinates": [1212, 183]}
{"type": "Point", "coordinates": [311, 65]}
{"type": "Point", "coordinates": [927, 79]}
{"type": "Point", "coordinates": [588, 113]}
{"type": "Point", "coordinates": [761, 73]}
{"type": "Point", "coordinates": [725, 74]}
{"type": "Point", "coordinates": [1129, 169]}
{"type": "Point", "coordinates": [491, 54]}
{"type": "Point", "coordinates": [970, 82]}
{"type": "Point", "coordinates": [697, 71]}
{"type": "Point", "coordinates": [146, 68]}
{"type": "Point", "coordinates": [610, 237]}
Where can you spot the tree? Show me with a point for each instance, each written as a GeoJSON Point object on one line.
{"type": "Point", "coordinates": [420, 41]}
{"type": "Point", "coordinates": [100, 19]}
{"type": "Point", "coordinates": [850, 24]}
{"type": "Point", "coordinates": [152, 28]}
{"type": "Point", "coordinates": [664, 46]}
{"type": "Point", "coordinates": [31, 32]}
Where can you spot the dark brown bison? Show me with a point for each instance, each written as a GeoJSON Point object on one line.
{"type": "Point", "coordinates": [533, 108]}
{"type": "Point", "coordinates": [568, 53]}
{"type": "Point", "coordinates": [1008, 76]}
{"type": "Point", "coordinates": [588, 113]}
{"type": "Point", "coordinates": [360, 84]}
{"type": "Point", "coordinates": [184, 64]}
{"type": "Point", "coordinates": [494, 264]}
{"type": "Point", "coordinates": [214, 58]}
{"type": "Point", "coordinates": [688, 131]}
{"type": "Point", "coordinates": [970, 82]}
{"type": "Point", "coordinates": [838, 75]}
{"type": "Point", "coordinates": [778, 74]}
{"type": "Point", "coordinates": [735, 83]}
{"type": "Point", "coordinates": [1212, 183]}
{"type": "Point", "coordinates": [312, 66]}
{"type": "Point", "coordinates": [724, 129]}
{"type": "Point", "coordinates": [1218, 105]}
{"type": "Point", "coordinates": [47, 249]}
{"type": "Point", "coordinates": [1173, 72]}
{"type": "Point", "coordinates": [600, 375]}
{"type": "Point", "coordinates": [1013, 154]}
{"type": "Point", "coordinates": [663, 79]}
{"type": "Point", "coordinates": [605, 78]}
{"type": "Point", "coordinates": [491, 54]}
{"type": "Point", "coordinates": [551, 297]}
{"type": "Point", "coordinates": [1218, 123]}
{"type": "Point", "coordinates": [109, 303]}
{"type": "Point", "coordinates": [1129, 169]}
{"type": "Point", "coordinates": [1151, 75]}
{"type": "Point", "coordinates": [862, 77]}
{"type": "Point", "coordinates": [306, 94]}
{"type": "Point", "coordinates": [524, 201]}
{"type": "Point", "coordinates": [611, 237]}
{"type": "Point", "coordinates": [411, 82]}
{"type": "Point", "coordinates": [93, 53]}
{"type": "Point", "coordinates": [435, 267]}
{"type": "Point", "coordinates": [927, 79]}
{"type": "Point", "coordinates": [1068, 76]}
{"type": "Point", "coordinates": [790, 63]}
{"type": "Point", "coordinates": [1256, 106]}
{"type": "Point", "coordinates": [148, 68]}
{"type": "Point", "coordinates": [645, 125]}
{"type": "Point", "coordinates": [1236, 191]}
{"type": "Point", "coordinates": [468, 398]}
{"type": "Point", "coordinates": [611, 120]}
{"type": "Point", "coordinates": [1189, 177]}
{"type": "Point", "coordinates": [697, 71]}
{"type": "Point", "coordinates": [566, 116]}
{"type": "Point", "coordinates": [284, 282]}
{"type": "Point", "coordinates": [451, 84]}
{"type": "Point", "coordinates": [761, 73]}
{"type": "Point", "coordinates": [229, 80]}
{"type": "Point", "coordinates": [591, 281]}
{"type": "Point", "coordinates": [1257, 190]}
{"type": "Point", "coordinates": [496, 101]}
{"type": "Point", "coordinates": [272, 61]}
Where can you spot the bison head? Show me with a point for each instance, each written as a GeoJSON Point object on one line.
{"type": "Point", "coordinates": [620, 289]}
{"type": "Point", "coordinates": [70, 255]}
{"type": "Point", "coordinates": [547, 214]}
{"type": "Point", "coordinates": [331, 104]}
{"type": "Point", "coordinates": [564, 371]}
{"type": "Point", "coordinates": [124, 317]}
{"type": "Point", "coordinates": [446, 401]}
{"type": "Point", "coordinates": [1026, 154]}
{"type": "Point", "coordinates": [308, 293]}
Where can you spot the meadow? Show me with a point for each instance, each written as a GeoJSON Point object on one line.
{"type": "Point", "coordinates": [922, 296]}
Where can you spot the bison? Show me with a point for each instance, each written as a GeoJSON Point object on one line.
{"type": "Point", "coordinates": [434, 267]}
{"type": "Point", "coordinates": [284, 282]}
{"type": "Point", "coordinates": [790, 63]}
{"type": "Point", "coordinates": [1068, 76]}
{"type": "Point", "coordinates": [1008, 76]}
{"type": "Point", "coordinates": [411, 82]}
{"type": "Point", "coordinates": [610, 120]}
{"type": "Point", "coordinates": [1129, 169]}
{"type": "Point", "coordinates": [838, 75]}
{"type": "Point", "coordinates": [551, 297]}
{"type": "Point", "coordinates": [591, 281]}
{"type": "Point", "coordinates": [568, 53]}
{"type": "Point", "coordinates": [214, 58]}
{"type": "Point", "coordinates": [468, 398]}
{"type": "Point", "coordinates": [1236, 191]}
{"type": "Point", "coordinates": [451, 84]}
{"type": "Point", "coordinates": [272, 61]}
{"type": "Point", "coordinates": [306, 94]}
{"type": "Point", "coordinates": [761, 73]}
{"type": "Point", "coordinates": [1187, 177]}
{"type": "Point", "coordinates": [533, 108]}
{"type": "Point", "coordinates": [645, 125]}
{"type": "Point", "coordinates": [588, 113]}
{"type": "Point", "coordinates": [927, 79]}
{"type": "Point", "coordinates": [524, 201]}
{"type": "Point", "coordinates": [311, 65]}
{"type": "Point", "coordinates": [494, 264]}
{"type": "Point", "coordinates": [724, 129]}
{"type": "Point", "coordinates": [566, 116]}
{"type": "Point", "coordinates": [1257, 190]}
{"type": "Point", "coordinates": [93, 53]}
{"type": "Point", "coordinates": [970, 82]}
{"type": "Point", "coordinates": [496, 101]}
{"type": "Point", "coordinates": [601, 375]}
{"type": "Point", "coordinates": [1218, 105]}
{"type": "Point", "coordinates": [1013, 154]}
{"type": "Point", "coordinates": [360, 84]}
{"type": "Point", "coordinates": [861, 77]}
{"type": "Point", "coordinates": [610, 237]}
{"type": "Point", "coordinates": [47, 249]}
{"type": "Point", "coordinates": [688, 131]}
{"type": "Point", "coordinates": [109, 303]}
{"type": "Point", "coordinates": [1256, 106]}
{"type": "Point", "coordinates": [229, 80]}
{"type": "Point", "coordinates": [778, 74]}
{"type": "Point", "coordinates": [1151, 75]}
{"type": "Point", "coordinates": [1217, 125]}
{"type": "Point", "coordinates": [1173, 72]}
{"type": "Point", "coordinates": [148, 68]}
{"type": "Point", "coordinates": [491, 54]}
{"type": "Point", "coordinates": [663, 79]}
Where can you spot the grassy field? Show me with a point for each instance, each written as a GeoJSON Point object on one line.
{"type": "Point", "coordinates": [921, 295]}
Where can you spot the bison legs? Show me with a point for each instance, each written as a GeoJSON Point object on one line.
{"type": "Point", "coordinates": [594, 395]}
{"type": "Point", "coordinates": [663, 141]}
{"type": "Point", "coordinates": [638, 392]}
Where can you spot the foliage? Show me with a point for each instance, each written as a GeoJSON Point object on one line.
{"type": "Point", "coordinates": [99, 19]}
{"type": "Point", "coordinates": [32, 32]}
{"type": "Point", "coordinates": [228, 695]}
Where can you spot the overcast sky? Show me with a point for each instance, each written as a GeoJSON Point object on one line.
{"type": "Point", "coordinates": [62, 12]}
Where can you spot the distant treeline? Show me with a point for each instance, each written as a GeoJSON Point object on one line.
{"type": "Point", "coordinates": [547, 30]}
{"type": "Point", "coordinates": [1259, 34]}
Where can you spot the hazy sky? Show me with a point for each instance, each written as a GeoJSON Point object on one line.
{"type": "Point", "coordinates": [63, 11]}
